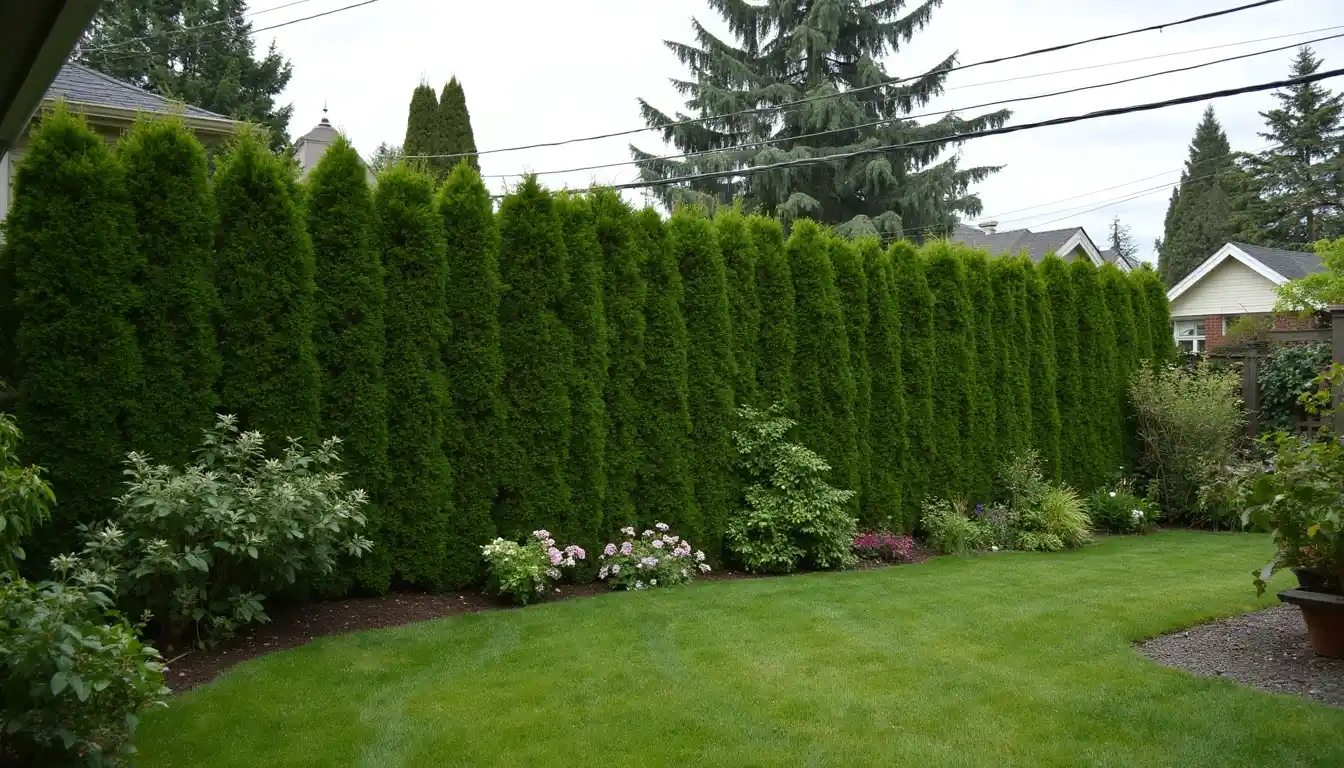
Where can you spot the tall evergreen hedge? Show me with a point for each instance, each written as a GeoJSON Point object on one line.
{"type": "Point", "coordinates": [623, 295]}
{"type": "Point", "coordinates": [1143, 324]}
{"type": "Point", "coordinates": [709, 372]}
{"type": "Point", "coordinates": [1159, 316]}
{"type": "Point", "coordinates": [988, 384]}
{"type": "Point", "coordinates": [774, 289]}
{"type": "Point", "coordinates": [537, 363]}
{"type": "Point", "coordinates": [455, 134]}
{"type": "Point", "coordinates": [586, 324]}
{"type": "Point", "coordinates": [168, 187]}
{"type": "Point", "coordinates": [349, 335]}
{"type": "Point", "coordinates": [1076, 441]}
{"type": "Point", "coordinates": [475, 366]}
{"type": "Point", "coordinates": [886, 420]}
{"type": "Point", "coordinates": [954, 460]}
{"type": "Point", "coordinates": [1014, 329]}
{"type": "Point", "coordinates": [823, 382]}
{"type": "Point", "coordinates": [1116, 294]}
{"type": "Point", "coordinates": [264, 273]}
{"type": "Point", "coordinates": [1097, 359]}
{"type": "Point", "coordinates": [664, 490]}
{"type": "Point", "coordinates": [852, 282]}
{"type": "Point", "coordinates": [417, 510]}
{"type": "Point", "coordinates": [915, 308]}
{"type": "Point", "coordinates": [1042, 370]}
{"type": "Point", "coordinates": [744, 307]}
{"type": "Point", "coordinates": [72, 241]}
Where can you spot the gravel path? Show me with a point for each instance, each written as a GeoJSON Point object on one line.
{"type": "Point", "coordinates": [1267, 650]}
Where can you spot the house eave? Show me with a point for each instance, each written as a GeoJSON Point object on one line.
{"type": "Point", "coordinates": [1228, 251]}
{"type": "Point", "coordinates": [106, 113]}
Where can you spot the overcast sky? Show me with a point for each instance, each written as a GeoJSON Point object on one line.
{"type": "Point", "coordinates": [539, 70]}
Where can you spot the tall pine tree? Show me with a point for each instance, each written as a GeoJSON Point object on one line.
{"type": "Point", "coordinates": [915, 307]}
{"type": "Point", "coordinates": [1077, 443]}
{"type": "Point", "coordinates": [774, 289]}
{"type": "Point", "coordinates": [455, 134]}
{"type": "Point", "coordinates": [1199, 218]}
{"type": "Point", "coordinates": [886, 420]}
{"type": "Point", "coordinates": [852, 281]}
{"type": "Point", "coordinates": [739, 260]}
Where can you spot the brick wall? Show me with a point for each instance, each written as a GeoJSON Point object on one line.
{"type": "Point", "coordinates": [1297, 323]}
{"type": "Point", "coordinates": [1213, 331]}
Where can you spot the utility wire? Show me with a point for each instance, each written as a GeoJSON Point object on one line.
{"type": "Point", "coordinates": [156, 35]}
{"type": "Point", "coordinates": [883, 84]}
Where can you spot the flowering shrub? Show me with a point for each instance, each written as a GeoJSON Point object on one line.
{"type": "Point", "coordinates": [950, 530]}
{"type": "Point", "coordinates": [526, 571]}
{"type": "Point", "coordinates": [655, 558]}
{"type": "Point", "coordinates": [1118, 509]}
{"type": "Point", "coordinates": [885, 547]}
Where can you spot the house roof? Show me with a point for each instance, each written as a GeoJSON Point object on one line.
{"type": "Point", "coordinates": [1274, 264]}
{"type": "Point", "coordinates": [77, 83]}
{"type": "Point", "coordinates": [1037, 245]}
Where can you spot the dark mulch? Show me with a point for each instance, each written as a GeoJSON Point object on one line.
{"type": "Point", "coordinates": [1267, 650]}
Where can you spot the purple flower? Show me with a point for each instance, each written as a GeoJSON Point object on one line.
{"type": "Point", "coordinates": [575, 551]}
{"type": "Point", "coordinates": [555, 555]}
{"type": "Point", "coordinates": [609, 551]}
{"type": "Point", "coordinates": [649, 562]}
{"type": "Point", "coordinates": [657, 544]}
{"type": "Point", "coordinates": [542, 534]}
{"type": "Point", "coordinates": [627, 548]}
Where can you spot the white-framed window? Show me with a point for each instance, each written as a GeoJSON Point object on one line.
{"type": "Point", "coordinates": [1189, 335]}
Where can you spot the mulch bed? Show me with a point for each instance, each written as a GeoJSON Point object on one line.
{"type": "Point", "coordinates": [1267, 650]}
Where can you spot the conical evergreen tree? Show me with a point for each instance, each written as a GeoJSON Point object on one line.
{"type": "Point", "coordinates": [1098, 368]}
{"type": "Point", "coordinates": [954, 459]}
{"type": "Point", "coordinates": [1143, 325]}
{"type": "Point", "coordinates": [475, 366]}
{"type": "Point", "coordinates": [823, 383]}
{"type": "Point", "coordinates": [455, 134]}
{"type": "Point", "coordinates": [424, 133]}
{"type": "Point", "coordinates": [350, 337]}
{"type": "Point", "coordinates": [1199, 218]}
{"type": "Point", "coordinates": [623, 294]}
{"type": "Point", "coordinates": [1077, 443]}
{"type": "Point", "coordinates": [1159, 316]}
{"type": "Point", "coordinates": [417, 509]}
{"type": "Point", "coordinates": [1012, 335]}
{"type": "Point", "coordinates": [915, 308]}
{"type": "Point", "coordinates": [586, 323]}
{"type": "Point", "coordinates": [886, 420]}
{"type": "Point", "coordinates": [739, 259]}
{"type": "Point", "coordinates": [168, 187]}
{"type": "Point", "coordinates": [537, 363]}
{"type": "Point", "coordinates": [852, 282]}
{"type": "Point", "coordinates": [1115, 292]}
{"type": "Point", "coordinates": [774, 289]}
{"type": "Point", "coordinates": [988, 389]}
{"type": "Point", "coordinates": [664, 490]}
{"type": "Point", "coordinates": [71, 238]}
{"type": "Point", "coordinates": [710, 372]}
{"type": "Point", "coordinates": [1043, 371]}
{"type": "Point", "coordinates": [264, 273]}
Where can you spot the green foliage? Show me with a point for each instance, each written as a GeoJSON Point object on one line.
{"type": "Point", "coordinates": [738, 246]}
{"type": "Point", "coordinates": [1119, 509]}
{"type": "Point", "coordinates": [852, 283]}
{"type": "Point", "coordinates": [774, 289]}
{"type": "Point", "coordinates": [525, 572]}
{"type": "Point", "coordinates": [623, 295]}
{"type": "Point", "coordinates": [952, 462]}
{"type": "Point", "coordinates": [264, 272]}
{"type": "Point", "coordinates": [423, 133]}
{"type": "Point", "coordinates": [655, 558]}
{"type": "Point", "coordinates": [950, 530]}
{"type": "Point", "coordinates": [1116, 294]}
{"type": "Point", "coordinates": [915, 308]}
{"type": "Point", "coordinates": [1199, 218]}
{"type": "Point", "coordinates": [709, 372]}
{"type": "Point", "coordinates": [1058, 520]}
{"type": "Point", "coordinates": [586, 323]}
{"type": "Point", "coordinates": [664, 490]}
{"type": "Point", "coordinates": [25, 498]}
{"type": "Point", "coordinates": [1286, 375]}
{"type": "Point", "coordinates": [883, 505]}
{"type": "Point", "coordinates": [455, 134]}
{"type": "Point", "coordinates": [987, 379]}
{"type": "Point", "coordinates": [1045, 403]}
{"type": "Point", "coordinates": [1143, 324]}
{"type": "Point", "coordinates": [793, 516]}
{"type": "Point", "coordinates": [199, 548]}
{"type": "Point", "coordinates": [823, 382]}
{"type": "Point", "coordinates": [417, 507]}
{"type": "Point", "coordinates": [537, 360]}
{"type": "Point", "coordinates": [1159, 316]}
{"type": "Point", "coordinates": [475, 366]}
{"type": "Point", "coordinates": [71, 236]}
{"type": "Point", "coordinates": [175, 219]}
{"type": "Point", "coordinates": [1319, 289]}
{"type": "Point", "coordinates": [1013, 334]}
{"type": "Point", "coordinates": [1097, 365]}
{"type": "Point", "coordinates": [1077, 443]}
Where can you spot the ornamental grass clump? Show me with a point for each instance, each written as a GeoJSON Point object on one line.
{"type": "Point", "coordinates": [525, 572]}
{"type": "Point", "coordinates": [654, 558]}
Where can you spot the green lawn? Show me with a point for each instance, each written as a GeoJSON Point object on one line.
{"type": "Point", "coordinates": [1015, 659]}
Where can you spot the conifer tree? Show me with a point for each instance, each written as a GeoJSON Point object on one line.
{"type": "Point", "coordinates": [988, 391]}
{"type": "Point", "coordinates": [537, 363]}
{"type": "Point", "coordinates": [1043, 371]}
{"type": "Point", "coordinates": [417, 510]}
{"type": "Point", "coordinates": [1077, 443]}
{"type": "Point", "coordinates": [1159, 316]}
{"type": "Point", "coordinates": [852, 281]}
{"type": "Point", "coordinates": [1115, 292]}
{"type": "Point", "coordinates": [475, 366]}
{"type": "Point", "coordinates": [915, 308]}
{"type": "Point", "coordinates": [954, 458]}
{"type": "Point", "coordinates": [350, 337]}
{"type": "Point", "coordinates": [623, 295]}
{"type": "Point", "coordinates": [823, 383]}
{"type": "Point", "coordinates": [709, 372]}
{"type": "Point", "coordinates": [168, 187]}
{"type": "Point", "coordinates": [739, 260]}
{"type": "Point", "coordinates": [586, 323]}
{"type": "Point", "coordinates": [71, 238]}
{"type": "Point", "coordinates": [424, 134]}
{"type": "Point", "coordinates": [774, 289]}
{"type": "Point", "coordinates": [1098, 366]}
{"type": "Point", "coordinates": [264, 273]}
{"type": "Point", "coordinates": [1143, 324]}
{"type": "Point", "coordinates": [1012, 334]}
{"type": "Point", "coordinates": [1199, 218]}
{"type": "Point", "coordinates": [455, 134]}
{"type": "Point", "coordinates": [664, 490]}
{"type": "Point", "coordinates": [886, 421]}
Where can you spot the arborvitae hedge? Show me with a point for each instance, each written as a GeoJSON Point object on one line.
{"type": "Point", "coordinates": [455, 134]}
{"type": "Point", "coordinates": [1012, 330]}
{"type": "Point", "coordinates": [1159, 316]}
{"type": "Point", "coordinates": [418, 504]}
{"type": "Point", "coordinates": [537, 363]}
{"type": "Point", "coordinates": [852, 282]}
{"type": "Point", "coordinates": [169, 189]}
{"type": "Point", "coordinates": [953, 463]}
{"type": "Point", "coordinates": [71, 236]}
{"type": "Point", "coordinates": [1097, 366]}
{"type": "Point", "coordinates": [739, 260]}
{"type": "Point", "coordinates": [709, 373]}
{"type": "Point", "coordinates": [915, 307]}
{"type": "Point", "coordinates": [664, 491]}
{"type": "Point", "coordinates": [1115, 292]}
{"type": "Point", "coordinates": [823, 384]}
{"type": "Point", "coordinates": [349, 335]}
{"type": "Point", "coordinates": [886, 421]}
{"type": "Point", "coordinates": [1076, 441]}
{"type": "Point", "coordinates": [586, 323]}
{"type": "Point", "coordinates": [1143, 324]}
{"type": "Point", "coordinates": [1042, 371]}
{"type": "Point", "coordinates": [774, 289]}
{"type": "Point", "coordinates": [988, 382]}
{"type": "Point", "coordinates": [264, 273]}
{"type": "Point", "coordinates": [623, 293]}
{"type": "Point", "coordinates": [475, 366]}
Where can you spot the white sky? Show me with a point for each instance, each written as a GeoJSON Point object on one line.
{"type": "Point", "coordinates": [539, 70]}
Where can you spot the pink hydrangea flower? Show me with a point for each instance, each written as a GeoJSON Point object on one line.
{"type": "Point", "coordinates": [658, 544]}
{"type": "Point", "coordinates": [542, 534]}
{"type": "Point", "coordinates": [555, 555]}
{"type": "Point", "coordinates": [627, 548]}
{"type": "Point", "coordinates": [609, 551]}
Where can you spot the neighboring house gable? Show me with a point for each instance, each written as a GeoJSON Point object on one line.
{"type": "Point", "coordinates": [311, 146]}
{"type": "Point", "coordinates": [1071, 244]}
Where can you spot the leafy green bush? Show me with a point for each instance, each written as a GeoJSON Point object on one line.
{"type": "Point", "coordinates": [1285, 376]}
{"type": "Point", "coordinates": [525, 571]}
{"type": "Point", "coordinates": [1057, 521]}
{"type": "Point", "coordinates": [25, 498]}
{"type": "Point", "coordinates": [793, 516]}
{"type": "Point", "coordinates": [950, 530]}
{"type": "Point", "coordinates": [203, 545]}
{"type": "Point", "coordinates": [655, 558]}
{"type": "Point", "coordinates": [1119, 509]}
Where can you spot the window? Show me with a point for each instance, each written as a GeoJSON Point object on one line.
{"type": "Point", "coordinates": [1189, 335]}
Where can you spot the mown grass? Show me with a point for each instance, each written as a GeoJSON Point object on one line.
{"type": "Point", "coordinates": [1015, 659]}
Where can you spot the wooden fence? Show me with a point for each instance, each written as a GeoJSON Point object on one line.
{"type": "Point", "coordinates": [1250, 370]}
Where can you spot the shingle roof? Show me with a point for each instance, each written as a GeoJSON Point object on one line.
{"type": "Point", "coordinates": [78, 83]}
{"type": "Point", "coordinates": [1290, 264]}
{"type": "Point", "coordinates": [1036, 244]}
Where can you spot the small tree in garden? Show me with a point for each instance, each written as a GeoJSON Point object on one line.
{"type": "Point", "coordinates": [774, 290]}
{"type": "Point", "coordinates": [951, 463]}
{"type": "Point", "coordinates": [793, 516]}
{"type": "Point", "coordinates": [1076, 441]}
{"type": "Point", "coordinates": [887, 420]}
{"type": "Point", "coordinates": [1042, 367]}
{"type": "Point", "coordinates": [852, 283]}
{"type": "Point", "coordinates": [744, 306]}
{"type": "Point", "coordinates": [914, 305]}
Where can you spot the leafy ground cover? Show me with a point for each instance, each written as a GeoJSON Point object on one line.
{"type": "Point", "coordinates": [1010, 659]}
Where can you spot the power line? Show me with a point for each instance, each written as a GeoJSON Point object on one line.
{"type": "Point", "coordinates": [884, 84]}
{"type": "Point", "coordinates": [120, 45]}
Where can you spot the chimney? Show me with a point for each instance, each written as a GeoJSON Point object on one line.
{"type": "Point", "coordinates": [989, 226]}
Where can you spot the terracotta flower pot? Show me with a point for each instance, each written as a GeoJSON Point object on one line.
{"type": "Point", "coordinates": [1324, 614]}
